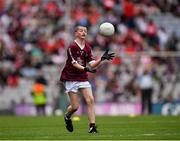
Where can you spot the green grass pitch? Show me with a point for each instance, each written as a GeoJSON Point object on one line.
{"type": "Point", "coordinates": [110, 128]}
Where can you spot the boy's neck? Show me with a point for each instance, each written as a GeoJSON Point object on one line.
{"type": "Point", "coordinates": [80, 41]}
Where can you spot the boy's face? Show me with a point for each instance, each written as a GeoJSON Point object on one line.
{"type": "Point", "coordinates": [81, 32]}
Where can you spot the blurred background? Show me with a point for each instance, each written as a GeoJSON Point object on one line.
{"type": "Point", "coordinates": [34, 35]}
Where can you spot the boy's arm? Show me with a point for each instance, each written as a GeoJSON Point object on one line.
{"type": "Point", "coordinates": [105, 56]}
{"type": "Point", "coordinates": [87, 69]}
{"type": "Point", "coordinates": [95, 63]}
{"type": "Point", "coordinates": [78, 66]}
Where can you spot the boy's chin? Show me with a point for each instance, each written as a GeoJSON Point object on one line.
{"type": "Point", "coordinates": [83, 37]}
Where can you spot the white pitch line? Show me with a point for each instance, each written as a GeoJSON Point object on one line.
{"type": "Point", "coordinates": [148, 134]}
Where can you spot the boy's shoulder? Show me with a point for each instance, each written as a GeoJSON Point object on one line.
{"type": "Point", "coordinates": [73, 45]}
{"type": "Point", "coordinates": [88, 46]}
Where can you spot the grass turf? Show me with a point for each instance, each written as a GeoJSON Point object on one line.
{"type": "Point", "coordinates": [110, 128]}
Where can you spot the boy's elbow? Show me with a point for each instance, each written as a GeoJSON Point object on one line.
{"type": "Point", "coordinates": [74, 62]}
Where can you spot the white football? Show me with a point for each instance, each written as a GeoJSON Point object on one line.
{"type": "Point", "coordinates": [106, 29]}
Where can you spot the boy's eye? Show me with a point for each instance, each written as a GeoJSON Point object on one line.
{"type": "Point", "coordinates": [82, 30]}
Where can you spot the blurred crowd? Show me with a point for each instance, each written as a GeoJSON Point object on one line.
{"type": "Point", "coordinates": [35, 33]}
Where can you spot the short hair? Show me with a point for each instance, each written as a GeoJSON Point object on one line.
{"type": "Point", "coordinates": [77, 27]}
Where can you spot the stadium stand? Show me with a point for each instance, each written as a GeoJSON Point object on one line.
{"type": "Point", "coordinates": [35, 33]}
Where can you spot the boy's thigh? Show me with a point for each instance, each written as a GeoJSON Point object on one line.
{"type": "Point", "coordinates": [87, 93]}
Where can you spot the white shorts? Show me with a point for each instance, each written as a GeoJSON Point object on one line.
{"type": "Point", "coordinates": [73, 86]}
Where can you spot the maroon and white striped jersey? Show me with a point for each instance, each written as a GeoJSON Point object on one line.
{"type": "Point", "coordinates": [82, 56]}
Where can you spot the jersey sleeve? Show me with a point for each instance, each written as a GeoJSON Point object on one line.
{"type": "Point", "coordinates": [72, 54]}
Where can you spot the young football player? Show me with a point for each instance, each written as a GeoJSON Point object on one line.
{"type": "Point", "coordinates": [74, 76]}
